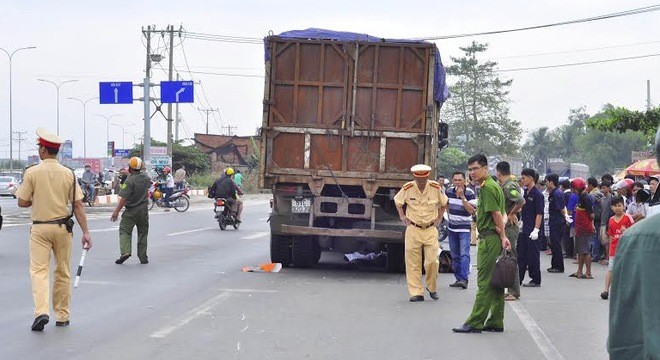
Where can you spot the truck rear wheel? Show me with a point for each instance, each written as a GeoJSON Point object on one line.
{"type": "Point", "coordinates": [280, 249]}
{"type": "Point", "coordinates": [396, 258]}
{"type": "Point", "coordinates": [305, 251]}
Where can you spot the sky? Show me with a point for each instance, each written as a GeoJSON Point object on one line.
{"type": "Point", "coordinates": [93, 41]}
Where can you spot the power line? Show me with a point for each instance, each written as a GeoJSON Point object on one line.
{"type": "Point", "coordinates": [579, 50]}
{"type": "Point", "coordinates": [535, 27]}
{"type": "Point", "coordinates": [579, 63]}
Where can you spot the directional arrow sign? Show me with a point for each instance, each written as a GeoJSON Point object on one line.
{"type": "Point", "coordinates": [116, 92]}
{"type": "Point", "coordinates": [177, 92]}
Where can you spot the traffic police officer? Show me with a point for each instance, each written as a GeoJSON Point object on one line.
{"type": "Point", "coordinates": [488, 310]}
{"type": "Point", "coordinates": [49, 187]}
{"type": "Point", "coordinates": [425, 204]}
{"type": "Point", "coordinates": [133, 196]}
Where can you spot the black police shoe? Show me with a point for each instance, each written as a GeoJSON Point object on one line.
{"type": "Point", "coordinates": [493, 329]}
{"type": "Point", "coordinates": [531, 284]}
{"type": "Point", "coordinates": [433, 295]}
{"type": "Point", "coordinates": [122, 259]}
{"type": "Point", "coordinates": [416, 298]}
{"type": "Point", "coordinates": [466, 329]}
{"type": "Point", "coordinates": [39, 322]}
{"type": "Point", "coordinates": [62, 323]}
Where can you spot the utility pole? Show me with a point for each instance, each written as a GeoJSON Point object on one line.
{"type": "Point", "coordinates": [146, 148]}
{"type": "Point", "coordinates": [229, 127]}
{"type": "Point", "coordinates": [177, 118]}
{"type": "Point", "coordinates": [170, 28]}
{"type": "Point", "coordinates": [207, 111]}
{"type": "Point", "coordinates": [20, 139]}
{"type": "Point", "coordinates": [648, 95]}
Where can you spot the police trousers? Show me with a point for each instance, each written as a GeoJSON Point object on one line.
{"type": "Point", "coordinates": [136, 217]}
{"type": "Point", "coordinates": [488, 309]}
{"type": "Point", "coordinates": [512, 231]}
{"type": "Point", "coordinates": [420, 241]}
{"type": "Point", "coordinates": [44, 239]}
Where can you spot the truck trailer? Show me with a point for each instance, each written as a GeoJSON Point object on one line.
{"type": "Point", "coordinates": [345, 116]}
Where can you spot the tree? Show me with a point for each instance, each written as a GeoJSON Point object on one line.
{"type": "Point", "coordinates": [538, 148]}
{"type": "Point", "coordinates": [621, 119]}
{"type": "Point", "coordinates": [566, 135]}
{"type": "Point", "coordinates": [478, 111]}
{"type": "Point", "coordinates": [451, 160]}
{"type": "Point", "coordinates": [194, 160]}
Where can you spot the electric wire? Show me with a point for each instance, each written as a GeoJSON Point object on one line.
{"type": "Point", "coordinates": [579, 63]}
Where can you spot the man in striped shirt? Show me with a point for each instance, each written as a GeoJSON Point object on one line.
{"type": "Point", "coordinates": [458, 228]}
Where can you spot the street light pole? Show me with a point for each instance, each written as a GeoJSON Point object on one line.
{"type": "Point", "coordinates": [107, 128]}
{"type": "Point", "coordinates": [84, 104]}
{"type": "Point", "coordinates": [57, 87]}
{"type": "Point", "coordinates": [123, 132]}
{"type": "Point", "coordinates": [11, 129]}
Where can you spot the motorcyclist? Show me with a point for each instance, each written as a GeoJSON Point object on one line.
{"type": "Point", "coordinates": [225, 187]}
{"type": "Point", "coordinates": [89, 178]}
{"type": "Point", "coordinates": [168, 183]}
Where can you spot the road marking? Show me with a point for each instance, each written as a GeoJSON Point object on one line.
{"type": "Point", "coordinates": [540, 338]}
{"type": "Point", "coordinates": [256, 235]}
{"type": "Point", "coordinates": [195, 313]}
{"type": "Point", "coordinates": [262, 219]}
{"type": "Point", "coordinates": [189, 231]}
{"type": "Point", "coordinates": [103, 230]}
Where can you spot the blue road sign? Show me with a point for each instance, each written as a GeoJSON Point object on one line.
{"type": "Point", "coordinates": [122, 152]}
{"type": "Point", "coordinates": [116, 92]}
{"type": "Point", "coordinates": [177, 92]}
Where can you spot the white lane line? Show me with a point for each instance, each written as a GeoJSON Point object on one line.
{"type": "Point", "coordinates": [262, 219]}
{"type": "Point", "coordinates": [540, 338]}
{"type": "Point", "coordinates": [256, 235]}
{"type": "Point", "coordinates": [107, 229]}
{"type": "Point", "coordinates": [189, 231]}
{"type": "Point", "coordinates": [195, 313]}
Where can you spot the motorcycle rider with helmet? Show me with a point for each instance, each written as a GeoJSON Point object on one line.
{"type": "Point", "coordinates": [168, 189]}
{"type": "Point", "coordinates": [226, 188]}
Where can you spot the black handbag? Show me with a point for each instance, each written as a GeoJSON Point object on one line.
{"type": "Point", "coordinates": [445, 262]}
{"type": "Point", "coordinates": [504, 270]}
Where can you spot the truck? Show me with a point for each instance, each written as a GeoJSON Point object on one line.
{"type": "Point", "coordinates": [345, 116]}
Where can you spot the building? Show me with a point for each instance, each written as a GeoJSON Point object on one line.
{"type": "Point", "coordinates": [240, 152]}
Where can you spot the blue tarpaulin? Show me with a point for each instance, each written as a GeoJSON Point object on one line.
{"type": "Point", "coordinates": [440, 89]}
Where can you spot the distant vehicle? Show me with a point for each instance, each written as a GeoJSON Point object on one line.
{"type": "Point", "coordinates": [8, 185]}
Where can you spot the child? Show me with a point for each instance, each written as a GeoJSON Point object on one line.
{"type": "Point", "coordinates": [638, 209]}
{"type": "Point", "coordinates": [618, 224]}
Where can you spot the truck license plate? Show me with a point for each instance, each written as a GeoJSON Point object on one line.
{"type": "Point", "coordinates": [300, 206]}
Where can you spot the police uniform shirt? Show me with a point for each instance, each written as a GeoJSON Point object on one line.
{"type": "Point", "coordinates": [135, 190]}
{"type": "Point", "coordinates": [49, 186]}
{"type": "Point", "coordinates": [512, 193]}
{"type": "Point", "coordinates": [533, 206]}
{"type": "Point", "coordinates": [423, 206]}
{"type": "Point", "coordinates": [556, 200]}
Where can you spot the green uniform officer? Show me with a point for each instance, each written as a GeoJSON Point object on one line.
{"type": "Point", "coordinates": [488, 310]}
{"type": "Point", "coordinates": [425, 204]}
{"type": "Point", "coordinates": [133, 196]}
{"type": "Point", "coordinates": [48, 188]}
{"type": "Point", "coordinates": [513, 203]}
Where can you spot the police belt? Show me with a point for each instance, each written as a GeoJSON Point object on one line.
{"type": "Point", "coordinates": [61, 221]}
{"type": "Point", "coordinates": [487, 232]}
{"type": "Point", "coordinates": [423, 227]}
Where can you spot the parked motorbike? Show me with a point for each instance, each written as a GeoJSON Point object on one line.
{"type": "Point", "coordinates": [224, 215]}
{"type": "Point", "coordinates": [179, 200]}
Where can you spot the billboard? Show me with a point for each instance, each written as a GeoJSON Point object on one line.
{"type": "Point", "coordinates": [66, 150]}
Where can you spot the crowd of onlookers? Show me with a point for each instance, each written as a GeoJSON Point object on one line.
{"type": "Point", "coordinates": [584, 219]}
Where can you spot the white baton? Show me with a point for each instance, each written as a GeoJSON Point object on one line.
{"type": "Point", "coordinates": [80, 267]}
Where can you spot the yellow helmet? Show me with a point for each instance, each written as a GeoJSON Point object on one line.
{"type": "Point", "coordinates": [135, 163]}
{"type": "Point", "coordinates": [229, 171]}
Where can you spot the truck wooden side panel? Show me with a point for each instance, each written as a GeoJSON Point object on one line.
{"type": "Point", "coordinates": [347, 110]}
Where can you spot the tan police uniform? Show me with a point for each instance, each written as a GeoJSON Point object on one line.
{"type": "Point", "coordinates": [50, 186]}
{"type": "Point", "coordinates": [421, 235]}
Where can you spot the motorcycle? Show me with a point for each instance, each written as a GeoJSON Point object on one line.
{"type": "Point", "coordinates": [179, 199]}
{"type": "Point", "coordinates": [224, 215]}
{"type": "Point", "coordinates": [87, 198]}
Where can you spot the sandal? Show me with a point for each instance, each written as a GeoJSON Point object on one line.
{"type": "Point", "coordinates": [575, 275]}
{"type": "Point", "coordinates": [582, 276]}
{"type": "Point", "coordinates": [510, 297]}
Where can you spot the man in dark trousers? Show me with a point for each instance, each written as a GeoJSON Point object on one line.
{"type": "Point", "coordinates": [226, 188]}
{"type": "Point", "coordinates": [557, 222]}
{"type": "Point", "coordinates": [134, 197]}
{"type": "Point", "coordinates": [532, 217]}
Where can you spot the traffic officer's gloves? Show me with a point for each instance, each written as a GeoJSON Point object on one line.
{"type": "Point", "coordinates": [534, 235]}
{"type": "Point", "coordinates": [568, 218]}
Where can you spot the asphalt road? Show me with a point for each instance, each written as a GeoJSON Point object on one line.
{"type": "Point", "coordinates": [193, 302]}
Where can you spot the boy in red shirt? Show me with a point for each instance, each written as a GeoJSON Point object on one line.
{"type": "Point", "coordinates": [618, 224]}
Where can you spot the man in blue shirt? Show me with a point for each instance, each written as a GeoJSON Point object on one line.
{"type": "Point", "coordinates": [458, 228]}
{"type": "Point", "coordinates": [557, 218]}
{"type": "Point", "coordinates": [568, 243]}
{"type": "Point", "coordinates": [532, 216]}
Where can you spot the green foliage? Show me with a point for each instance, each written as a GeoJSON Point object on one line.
{"type": "Point", "coordinates": [451, 160]}
{"type": "Point", "coordinates": [194, 160]}
{"type": "Point", "coordinates": [478, 111]}
{"type": "Point", "coordinates": [18, 164]}
{"type": "Point", "coordinates": [201, 181]}
{"type": "Point", "coordinates": [621, 119]}
{"type": "Point", "coordinates": [605, 152]}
